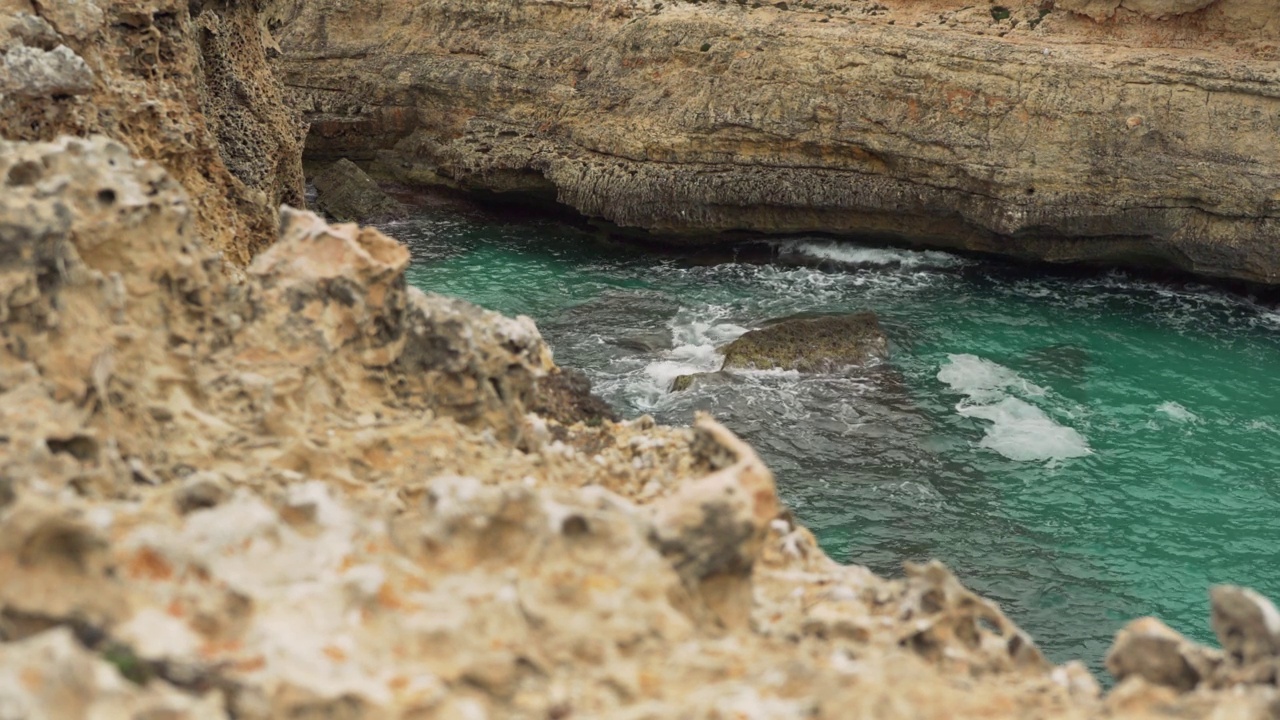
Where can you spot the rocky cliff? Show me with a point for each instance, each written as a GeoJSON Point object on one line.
{"type": "Point", "coordinates": [181, 82]}
{"type": "Point", "coordinates": [309, 490]}
{"type": "Point", "coordinates": [1135, 132]}
{"type": "Point", "coordinates": [315, 492]}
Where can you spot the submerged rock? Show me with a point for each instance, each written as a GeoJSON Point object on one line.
{"type": "Point", "coordinates": [820, 344]}
{"type": "Point", "coordinates": [347, 194]}
{"type": "Point", "coordinates": [685, 382]}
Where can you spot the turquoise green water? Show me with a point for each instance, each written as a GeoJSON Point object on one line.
{"type": "Point", "coordinates": [1082, 449]}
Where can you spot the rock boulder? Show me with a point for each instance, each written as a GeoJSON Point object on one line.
{"type": "Point", "coordinates": [810, 344]}
{"type": "Point", "coordinates": [348, 194]}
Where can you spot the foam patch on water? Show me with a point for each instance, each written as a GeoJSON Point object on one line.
{"type": "Point", "coordinates": [848, 254]}
{"type": "Point", "coordinates": [696, 338]}
{"type": "Point", "coordinates": [984, 381]}
{"type": "Point", "coordinates": [1019, 430]}
{"type": "Point", "coordinates": [1177, 413]}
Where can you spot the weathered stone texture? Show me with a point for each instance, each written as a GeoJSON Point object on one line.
{"type": "Point", "coordinates": [183, 83]}
{"type": "Point", "coordinates": [1145, 139]}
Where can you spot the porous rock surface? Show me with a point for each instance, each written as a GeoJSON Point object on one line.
{"type": "Point", "coordinates": [313, 491]}
{"type": "Point", "coordinates": [182, 82]}
{"type": "Point", "coordinates": [1138, 132]}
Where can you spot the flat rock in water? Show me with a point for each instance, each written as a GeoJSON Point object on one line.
{"type": "Point", "coordinates": [347, 194]}
{"type": "Point", "coordinates": [810, 344]}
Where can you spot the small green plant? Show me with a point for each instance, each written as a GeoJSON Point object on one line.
{"type": "Point", "coordinates": [133, 668]}
{"type": "Point", "coordinates": [705, 47]}
{"type": "Point", "coordinates": [999, 13]}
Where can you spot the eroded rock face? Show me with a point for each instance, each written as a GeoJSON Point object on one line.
{"type": "Point", "coordinates": [1159, 9]}
{"type": "Point", "coordinates": [1149, 654]}
{"type": "Point", "coordinates": [1247, 624]}
{"type": "Point", "coordinates": [818, 344]}
{"type": "Point", "coordinates": [1035, 131]}
{"type": "Point", "coordinates": [183, 83]}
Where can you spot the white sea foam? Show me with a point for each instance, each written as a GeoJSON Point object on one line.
{"type": "Point", "coordinates": [848, 254]}
{"type": "Point", "coordinates": [982, 380]}
{"type": "Point", "coordinates": [1021, 431]}
{"type": "Point", "coordinates": [696, 339]}
{"type": "Point", "coordinates": [1018, 430]}
{"type": "Point", "coordinates": [1177, 413]}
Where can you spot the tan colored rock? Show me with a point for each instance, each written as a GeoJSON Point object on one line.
{"type": "Point", "coordinates": [78, 19]}
{"type": "Point", "coordinates": [34, 73]}
{"type": "Point", "coordinates": [565, 396]}
{"type": "Point", "coordinates": [1246, 623]}
{"type": "Point", "coordinates": [312, 491]}
{"type": "Point", "coordinates": [1158, 9]}
{"type": "Point", "coordinates": [947, 128]}
{"type": "Point", "coordinates": [1151, 650]}
{"type": "Point", "coordinates": [192, 92]}
{"type": "Point", "coordinates": [52, 677]}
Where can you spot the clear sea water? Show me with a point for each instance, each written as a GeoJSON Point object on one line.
{"type": "Point", "coordinates": [1083, 448]}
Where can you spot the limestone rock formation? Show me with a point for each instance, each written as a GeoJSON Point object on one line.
{"type": "Point", "coordinates": [183, 83]}
{"type": "Point", "coordinates": [312, 489]}
{"type": "Point", "coordinates": [1151, 650]}
{"type": "Point", "coordinates": [1023, 129]}
{"type": "Point", "coordinates": [347, 194]}
{"type": "Point", "coordinates": [1247, 625]}
{"type": "Point", "coordinates": [810, 344]}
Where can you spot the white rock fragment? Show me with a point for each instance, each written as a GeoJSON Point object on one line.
{"type": "Point", "coordinates": [35, 73]}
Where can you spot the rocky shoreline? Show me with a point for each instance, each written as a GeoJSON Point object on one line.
{"type": "Point", "coordinates": [246, 471]}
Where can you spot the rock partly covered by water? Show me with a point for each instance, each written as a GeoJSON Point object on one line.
{"type": "Point", "coordinates": [810, 344]}
{"type": "Point", "coordinates": [1134, 132]}
{"type": "Point", "coordinates": [347, 193]}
